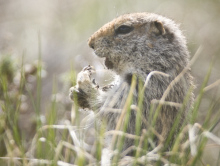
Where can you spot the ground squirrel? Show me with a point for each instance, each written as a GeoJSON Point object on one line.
{"type": "Point", "coordinates": [138, 44]}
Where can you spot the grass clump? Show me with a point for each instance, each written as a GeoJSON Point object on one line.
{"type": "Point", "coordinates": [71, 142]}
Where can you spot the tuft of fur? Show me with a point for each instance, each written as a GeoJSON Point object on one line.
{"type": "Point", "coordinates": [153, 43]}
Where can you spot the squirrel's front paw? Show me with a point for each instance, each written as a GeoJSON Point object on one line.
{"type": "Point", "coordinates": [86, 89]}
{"type": "Point", "coordinates": [80, 96]}
{"type": "Point", "coordinates": [84, 77]}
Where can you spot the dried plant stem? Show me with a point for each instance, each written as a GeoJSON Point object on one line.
{"type": "Point", "coordinates": [213, 85]}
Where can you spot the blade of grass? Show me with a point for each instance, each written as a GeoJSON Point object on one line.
{"type": "Point", "coordinates": [123, 121]}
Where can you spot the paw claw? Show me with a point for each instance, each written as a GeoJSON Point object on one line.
{"type": "Point", "coordinates": [89, 68]}
{"type": "Point", "coordinates": [73, 89]}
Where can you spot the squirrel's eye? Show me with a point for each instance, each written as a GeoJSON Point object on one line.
{"type": "Point", "coordinates": [124, 29]}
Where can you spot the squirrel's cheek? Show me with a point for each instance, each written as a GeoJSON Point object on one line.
{"type": "Point", "coordinates": [117, 40]}
{"type": "Point", "coordinates": [150, 45]}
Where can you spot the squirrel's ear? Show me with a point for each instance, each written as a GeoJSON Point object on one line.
{"type": "Point", "coordinates": [157, 27]}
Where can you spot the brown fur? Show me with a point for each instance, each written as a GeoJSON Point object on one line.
{"type": "Point", "coordinates": [144, 43]}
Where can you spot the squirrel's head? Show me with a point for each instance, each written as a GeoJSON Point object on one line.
{"type": "Point", "coordinates": [141, 43]}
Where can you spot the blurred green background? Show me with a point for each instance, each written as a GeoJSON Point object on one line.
{"type": "Point", "coordinates": [59, 30]}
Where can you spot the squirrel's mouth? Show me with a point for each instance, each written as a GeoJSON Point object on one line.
{"type": "Point", "coordinates": [108, 63]}
{"type": "Point", "coordinates": [107, 60]}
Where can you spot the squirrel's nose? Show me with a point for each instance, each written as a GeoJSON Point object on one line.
{"type": "Point", "coordinates": [91, 43]}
